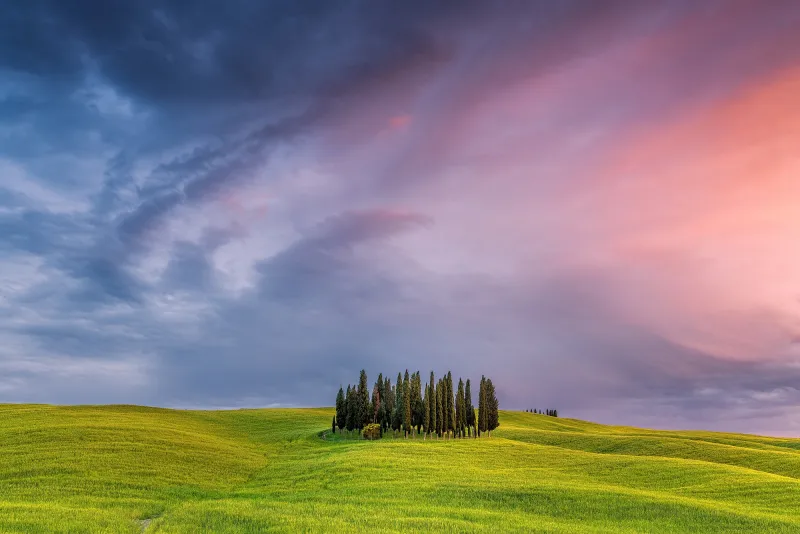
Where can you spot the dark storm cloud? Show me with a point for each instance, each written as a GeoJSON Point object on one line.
{"type": "Point", "coordinates": [199, 61]}
{"type": "Point", "coordinates": [203, 52]}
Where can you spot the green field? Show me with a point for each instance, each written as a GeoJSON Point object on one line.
{"type": "Point", "coordinates": [134, 469]}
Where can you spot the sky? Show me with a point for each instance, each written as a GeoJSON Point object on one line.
{"type": "Point", "coordinates": [244, 203]}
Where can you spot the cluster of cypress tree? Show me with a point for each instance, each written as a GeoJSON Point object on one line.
{"type": "Point", "coordinates": [435, 410]}
{"type": "Point", "coordinates": [551, 413]}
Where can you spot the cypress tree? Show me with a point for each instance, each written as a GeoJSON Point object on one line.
{"type": "Point", "coordinates": [426, 402]}
{"type": "Point", "coordinates": [451, 409]}
{"type": "Point", "coordinates": [420, 411]}
{"type": "Point", "coordinates": [333, 425]}
{"type": "Point", "coordinates": [555, 413]}
{"type": "Point", "coordinates": [469, 408]}
{"type": "Point", "coordinates": [482, 419]}
{"type": "Point", "coordinates": [446, 406]}
{"type": "Point", "coordinates": [347, 415]}
{"type": "Point", "coordinates": [432, 407]}
{"type": "Point", "coordinates": [380, 417]}
{"type": "Point", "coordinates": [439, 409]}
{"type": "Point", "coordinates": [492, 408]}
{"type": "Point", "coordinates": [416, 412]}
{"type": "Point", "coordinates": [406, 404]}
{"type": "Point", "coordinates": [341, 410]}
{"type": "Point", "coordinates": [421, 402]}
{"type": "Point", "coordinates": [461, 416]}
{"type": "Point", "coordinates": [389, 396]}
{"type": "Point", "coordinates": [351, 399]}
{"type": "Point", "coordinates": [457, 412]}
{"type": "Point", "coordinates": [380, 414]}
{"type": "Point", "coordinates": [375, 404]}
{"type": "Point", "coordinates": [443, 395]}
{"type": "Point", "coordinates": [363, 401]}
{"type": "Point", "coordinates": [395, 421]}
{"type": "Point", "coordinates": [412, 417]}
{"type": "Point", "coordinates": [397, 414]}
{"type": "Point", "coordinates": [381, 400]}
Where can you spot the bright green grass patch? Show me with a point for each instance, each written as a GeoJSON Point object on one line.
{"type": "Point", "coordinates": [106, 469]}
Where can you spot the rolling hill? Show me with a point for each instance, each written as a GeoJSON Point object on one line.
{"type": "Point", "coordinates": [136, 469]}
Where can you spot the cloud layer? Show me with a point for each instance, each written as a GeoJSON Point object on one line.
{"type": "Point", "coordinates": [245, 205]}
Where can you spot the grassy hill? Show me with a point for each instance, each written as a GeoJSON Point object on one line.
{"type": "Point", "coordinates": [134, 469]}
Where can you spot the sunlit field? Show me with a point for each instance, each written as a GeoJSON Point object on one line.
{"type": "Point", "coordinates": [134, 469]}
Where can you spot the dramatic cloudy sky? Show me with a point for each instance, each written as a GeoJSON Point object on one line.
{"type": "Point", "coordinates": [243, 203]}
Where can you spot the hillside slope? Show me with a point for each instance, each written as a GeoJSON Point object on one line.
{"type": "Point", "coordinates": [134, 469]}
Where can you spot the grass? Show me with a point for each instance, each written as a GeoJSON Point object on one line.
{"type": "Point", "coordinates": [135, 469]}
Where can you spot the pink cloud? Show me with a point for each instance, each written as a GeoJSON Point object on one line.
{"type": "Point", "coordinates": [399, 121]}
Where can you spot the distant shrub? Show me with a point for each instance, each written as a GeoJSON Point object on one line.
{"type": "Point", "coordinates": [372, 431]}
